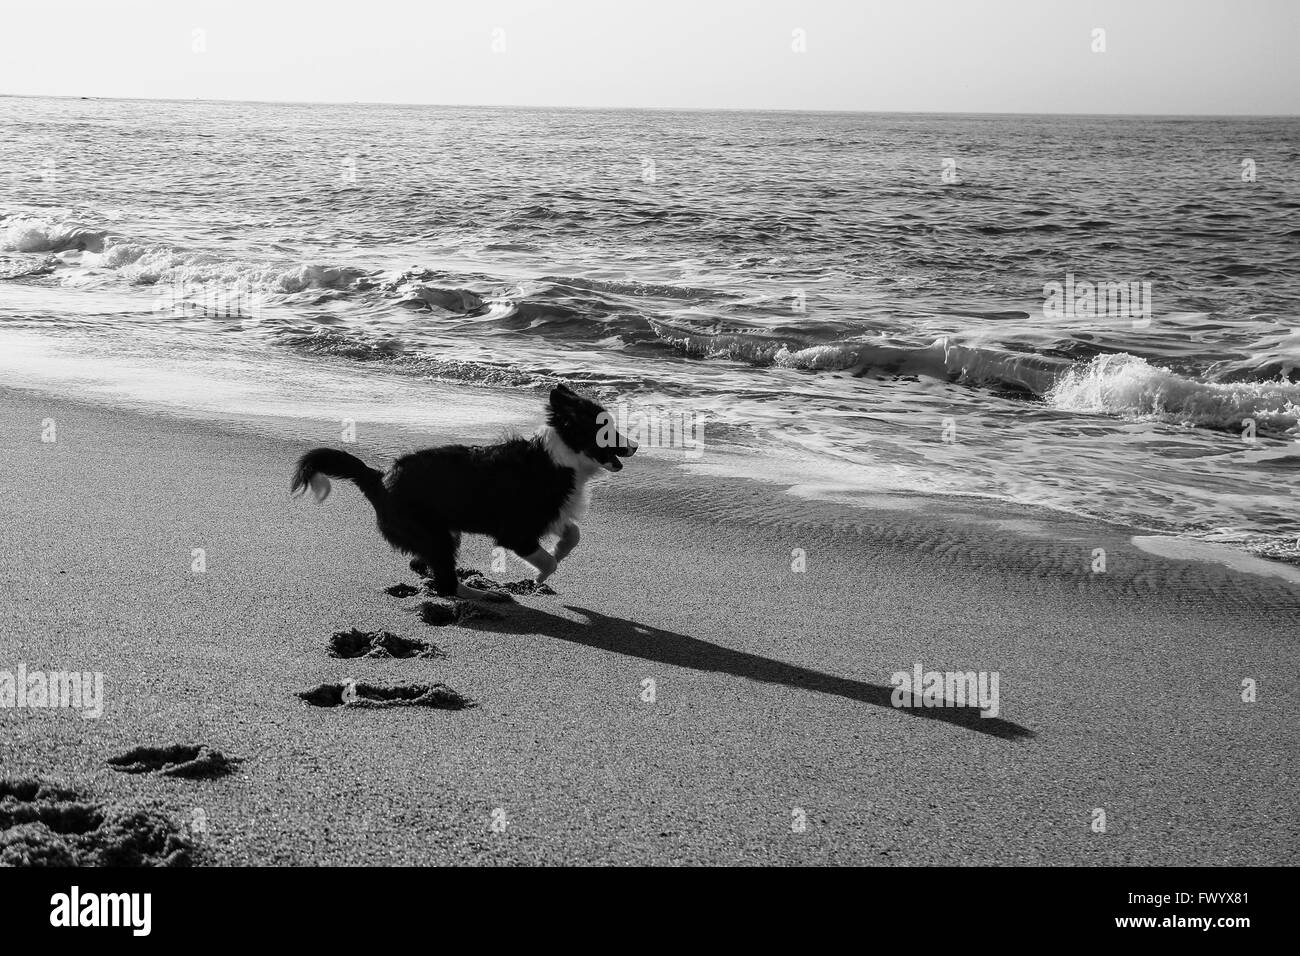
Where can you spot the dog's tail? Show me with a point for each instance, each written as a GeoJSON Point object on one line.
{"type": "Point", "coordinates": [314, 467]}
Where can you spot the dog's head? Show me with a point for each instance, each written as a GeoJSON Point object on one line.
{"type": "Point", "coordinates": [587, 429]}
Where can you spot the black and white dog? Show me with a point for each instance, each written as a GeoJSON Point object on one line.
{"type": "Point", "coordinates": [516, 492]}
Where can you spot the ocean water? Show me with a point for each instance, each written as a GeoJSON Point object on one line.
{"type": "Point", "coordinates": [849, 302]}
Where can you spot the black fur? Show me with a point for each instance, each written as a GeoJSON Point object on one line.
{"type": "Point", "coordinates": [338, 464]}
{"type": "Point", "coordinates": [512, 491]}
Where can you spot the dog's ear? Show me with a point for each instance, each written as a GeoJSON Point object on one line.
{"type": "Point", "coordinates": [562, 395]}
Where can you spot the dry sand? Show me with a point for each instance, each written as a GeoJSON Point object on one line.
{"type": "Point", "coordinates": [1119, 690]}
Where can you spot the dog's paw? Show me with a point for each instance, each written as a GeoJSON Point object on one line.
{"type": "Point", "coordinates": [470, 593]}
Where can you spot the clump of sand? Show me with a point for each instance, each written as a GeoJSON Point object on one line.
{"type": "Point", "coordinates": [191, 761]}
{"type": "Point", "coordinates": [356, 643]}
{"type": "Point", "coordinates": [443, 613]}
{"type": "Point", "coordinates": [370, 695]}
{"type": "Point", "coordinates": [46, 825]}
{"type": "Point", "coordinates": [477, 579]}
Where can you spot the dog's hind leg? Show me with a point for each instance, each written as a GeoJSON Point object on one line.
{"type": "Point", "coordinates": [422, 567]}
{"type": "Point", "coordinates": [439, 554]}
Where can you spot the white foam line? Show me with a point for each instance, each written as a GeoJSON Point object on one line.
{"type": "Point", "coordinates": [1183, 549]}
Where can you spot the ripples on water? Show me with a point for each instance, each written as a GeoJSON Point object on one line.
{"type": "Point", "coordinates": [809, 281]}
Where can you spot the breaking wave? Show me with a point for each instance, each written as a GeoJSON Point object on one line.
{"type": "Point", "coordinates": [35, 234]}
{"type": "Point", "coordinates": [1129, 386]}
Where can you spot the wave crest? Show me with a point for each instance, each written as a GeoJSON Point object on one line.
{"type": "Point", "coordinates": [33, 234]}
{"type": "Point", "coordinates": [942, 359]}
{"type": "Point", "coordinates": [1123, 384]}
{"type": "Point", "coordinates": [141, 264]}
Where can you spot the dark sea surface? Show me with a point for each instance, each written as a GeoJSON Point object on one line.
{"type": "Point", "coordinates": [852, 302]}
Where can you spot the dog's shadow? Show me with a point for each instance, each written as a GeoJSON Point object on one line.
{"type": "Point", "coordinates": [621, 636]}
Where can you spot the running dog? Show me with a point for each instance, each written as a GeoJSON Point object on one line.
{"type": "Point", "coordinates": [516, 492]}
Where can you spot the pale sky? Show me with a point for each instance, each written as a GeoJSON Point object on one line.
{"type": "Point", "coordinates": [1161, 56]}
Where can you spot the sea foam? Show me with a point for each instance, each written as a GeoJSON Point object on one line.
{"type": "Point", "coordinates": [1122, 384]}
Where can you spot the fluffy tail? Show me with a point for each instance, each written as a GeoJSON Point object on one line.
{"type": "Point", "coordinates": [313, 467]}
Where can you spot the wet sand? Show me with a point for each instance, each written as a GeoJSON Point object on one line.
{"type": "Point", "coordinates": [771, 737]}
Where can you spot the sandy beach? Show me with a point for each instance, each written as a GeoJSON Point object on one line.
{"type": "Point", "coordinates": [771, 736]}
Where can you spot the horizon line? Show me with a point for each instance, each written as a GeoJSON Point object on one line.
{"type": "Point", "coordinates": [656, 109]}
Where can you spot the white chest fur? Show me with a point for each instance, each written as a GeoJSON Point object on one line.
{"type": "Point", "coordinates": [575, 506]}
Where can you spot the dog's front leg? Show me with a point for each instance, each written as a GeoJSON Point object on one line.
{"type": "Point", "coordinates": [568, 541]}
{"type": "Point", "coordinates": [543, 561]}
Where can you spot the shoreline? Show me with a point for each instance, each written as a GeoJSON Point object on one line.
{"type": "Point", "coordinates": [772, 688]}
{"type": "Point", "coordinates": [393, 424]}
{"type": "Point", "coordinates": [990, 526]}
